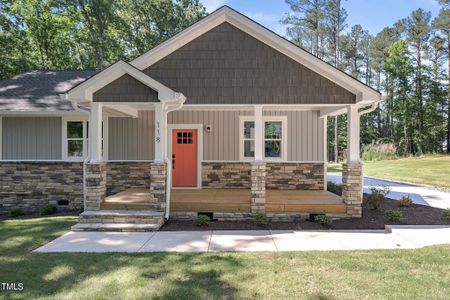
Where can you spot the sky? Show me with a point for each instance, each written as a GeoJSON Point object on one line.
{"type": "Point", "coordinates": [372, 15]}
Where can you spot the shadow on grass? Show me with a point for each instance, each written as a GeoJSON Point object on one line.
{"type": "Point", "coordinates": [106, 275]}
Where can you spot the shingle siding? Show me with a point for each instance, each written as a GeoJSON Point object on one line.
{"type": "Point", "coordinates": [126, 89]}
{"type": "Point", "coordinates": [228, 66]}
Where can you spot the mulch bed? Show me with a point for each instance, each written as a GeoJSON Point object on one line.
{"type": "Point", "coordinates": [372, 219]}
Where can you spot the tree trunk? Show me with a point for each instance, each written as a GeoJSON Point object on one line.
{"type": "Point", "coordinates": [448, 96]}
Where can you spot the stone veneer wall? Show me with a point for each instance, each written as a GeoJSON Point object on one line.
{"type": "Point", "coordinates": [294, 176]}
{"type": "Point", "coordinates": [352, 188]}
{"type": "Point", "coordinates": [221, 175]}
{"type": "Point", "coordinates": [31, 185]}
{"type": "Point", "coordinates": [124, 175]}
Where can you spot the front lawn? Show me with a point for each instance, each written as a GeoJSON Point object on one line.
{"type": "Point", "coordinates": [430, 170]}
{"type": "Point", "coordinates": [390, 274]}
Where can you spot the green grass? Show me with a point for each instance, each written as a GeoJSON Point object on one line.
{"type": "Point", "coordinates": [430, 170]}
{"type": "Point", "coordinates": [393, 274]}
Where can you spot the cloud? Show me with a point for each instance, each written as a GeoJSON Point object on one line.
{"type": "Point", "coordinates": [212, 5]}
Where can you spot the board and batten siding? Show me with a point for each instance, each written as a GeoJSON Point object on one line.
{"type": "Point", "coordinates": [132, 139]}
{"type": "Point", "coordinates": [31, 138]}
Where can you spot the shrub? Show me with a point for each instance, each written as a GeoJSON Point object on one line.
{"type": "Point", "coordinates": [201, 220]}
{"type": "Point", "coordinates": [323, 219]}
{"type": "Point", "coordinates": [260, 219]}
{"type": "Point", "coordinates": [334, 188]}
{"type": "Point", "coordinates": [446, 214]}
{"type": "Point", "coordinates": [15, 212]}
{"type": "Point", "coordinates": [48, 209]}
{"type": "Point", "coordinates": [378, 151]}
{"type": "Point", "coordinates": [393, 215]}
{"type": "Point", "coordinates": [376, 199]}
{"type": "Point", "coordinates": [405, 201]}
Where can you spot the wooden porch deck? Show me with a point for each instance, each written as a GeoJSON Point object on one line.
{"type": "Point", "coordinates": [238, 200]}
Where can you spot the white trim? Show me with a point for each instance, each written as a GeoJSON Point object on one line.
{"type": "Point", "coordinates": [85, 91]}
{"type": "Point", "coordinates": [259, 133]}
{"type": "Point", "coordinates": [287, 161]}
{"type": "Point", "coordinates": [325, 151]}
{"type": "Point", "coordinates": [34, 113]}
{"type": "Point", "coordinates": [42, 160]}
{"type": "Point", "coordinates": [226, 14]}
{"type": "Point", "coordinates": [1, 137]}
{"type": "Point", "coordinates": [282, 119]}
{"type": "Point", "coordinates": [130, 160]}
{"type": "Point", "coordinates": [353, 133]}
{"type": "Point", "coordinates": [199, 128]}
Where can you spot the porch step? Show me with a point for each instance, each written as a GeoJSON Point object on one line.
{"type": "Point", "coordinates": [121, 227]}
{"type": "Point", "coordinates": [122, 217]}
{"type": "Point", "coordinates": [128, 206]}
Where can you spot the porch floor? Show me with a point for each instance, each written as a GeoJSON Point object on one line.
{"type": "Point", "coordinates": [238, 200]}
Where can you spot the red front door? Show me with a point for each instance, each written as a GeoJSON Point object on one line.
{"type": "Point", "coordinates": [184, 157]}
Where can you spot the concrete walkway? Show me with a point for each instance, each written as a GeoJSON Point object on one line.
{"type": "Point", "coordinates": [399, 237]}
{"type": "Point", "coordinates": [419, 194]}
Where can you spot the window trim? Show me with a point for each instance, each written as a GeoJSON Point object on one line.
{"type": "Point", "coordinates": [282, 119]}
{"type": "Point", "coordinates": [64, 139]}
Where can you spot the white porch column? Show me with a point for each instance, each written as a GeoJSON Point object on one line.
{"type": "Point", "coordinates": [352, 134]}
{"type": "Point", "coordinates": [160, 134]}
{"type": "Point", "coordinates": [259, 133]}
{"type": "Point", "coordinates": [95, 133]}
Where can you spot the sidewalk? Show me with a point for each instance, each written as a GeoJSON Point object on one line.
{"type": "Point", "coordinates": [396, 237]}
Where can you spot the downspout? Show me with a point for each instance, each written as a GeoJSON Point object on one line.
{"type": "Point", "coordinates": [372, 107]}
{"type": "Point", "coordinates": [169, 108]}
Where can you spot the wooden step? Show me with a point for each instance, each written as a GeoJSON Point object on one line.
{"type": "Point", "coordinates": [122, 227]}
{"type": "Point", "coordinates": [128, 206]}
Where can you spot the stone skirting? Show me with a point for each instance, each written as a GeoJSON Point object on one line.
{"type": "Point", "coordinates": [292, 176]}
{"type": "Point", "coordinates": [31, 185]}
{"type": "Point", "coordinates": [226, 175]}
{"type": "Point", "coordinates": [158, 184]}
{"type": "Point", "coordinates": [124, 175]}
{"type": "Point", "coordinates": [352, 190]}
{"type": "Point", "coordinates": [258, 189]}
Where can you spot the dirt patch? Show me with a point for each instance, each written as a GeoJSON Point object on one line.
{"type": "Point", "coordinates": [372, 219]}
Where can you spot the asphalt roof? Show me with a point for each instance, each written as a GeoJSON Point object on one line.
{"type": "Point", "coordinates": [39, 90]}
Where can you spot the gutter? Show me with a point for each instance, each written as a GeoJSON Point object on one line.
{"type": "Point", "coordinates": [371, 108]}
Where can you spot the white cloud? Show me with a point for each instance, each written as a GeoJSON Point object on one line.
{"type": "Point", "coordinates": [212, 5]}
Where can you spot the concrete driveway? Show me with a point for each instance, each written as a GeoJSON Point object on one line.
{"type": "Point", "coordinates": [419, 194]}
{"type": "Point", "coordinates": [397, 237]}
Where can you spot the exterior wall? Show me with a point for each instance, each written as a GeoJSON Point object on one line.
{"type": "Point", "coordinates": [125, 89]}
{"type": "Point", "coordinates": [295, 176]}
{"type": "Point", "coordinates": [31, 138]}
{"type": "Point", "coordinates": [124, 175]}
{"type": "Point", "coordinates": [227, 66]}
{"type": "Point", "coordinates": [226, 175]}
{"type": "Point", "coordinates": [132, 139]}
{"type": "Point", "coordinates": [31, 185]}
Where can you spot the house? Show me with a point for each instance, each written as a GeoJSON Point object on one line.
{"type": "Point", "coordinates": [225, 118]}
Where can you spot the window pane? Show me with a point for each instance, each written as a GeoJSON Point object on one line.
{"type": "Point", "coordinates": [273, 130]}
{"type": "Point", "coordinates": [249, 130]}
{"type": "Point", "coordinates": [249, 148]}
{"type": "Point", "coordinates": [272, 148]}
{"type": "Point", "coordinates": [75, 148]}
{"type": "Point", "coordinates": [75, 130]}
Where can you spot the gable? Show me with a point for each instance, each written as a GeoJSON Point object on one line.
{"type": "Point", "coordinates": [125, 89]}
{"type": "Point", "coordinates": [228, 66]}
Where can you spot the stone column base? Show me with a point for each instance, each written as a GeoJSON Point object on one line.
{"type": "Point", "coordinates": [158, 175]}
{"type": "Point", "coordinates": [95, 177]}
{"type": "Point", "coordinates": [352, 190]}
{"type": "Point", "coordinates": [258, 188]}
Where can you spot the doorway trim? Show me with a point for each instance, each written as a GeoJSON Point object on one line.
{"type": "Point", "coordinates": [199, 128]}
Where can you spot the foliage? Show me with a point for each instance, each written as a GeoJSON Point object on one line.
{"type": "Point", "coordinates": [260, 219]}
{"type": "Point", "coordinates": [405, 201]}
{"type": "Point", "coordinates": [446, 214]}
{"type": "Point", "coordinates": [15, 212]}
{"type": "Point", "coordinates": [48, 209]}
{"type": "Point", "coordinates": [393, 215]}
{"type": "Point", "coordinates": [334, 188]}
{"type": "Point", "coordinates": [323, 220]}
{"type": "Point", "coordinates": [378, 151]}
{"type": "Point", "coordinates": [201, 220]}
{"type": "Point", "coordinates": [377, 197]}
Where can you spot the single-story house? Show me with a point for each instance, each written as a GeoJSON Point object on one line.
{"type": "Point", "coordinates": [225, 118]}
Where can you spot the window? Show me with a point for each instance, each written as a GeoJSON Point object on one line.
{"type": "Point", "coordinates": [274, 142]}
{"type": "Point", "coordinates": [184, 137]}
{"type": "Point", "coordinates": [76, 139]}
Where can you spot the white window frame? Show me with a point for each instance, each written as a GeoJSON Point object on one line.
{"type": "Point", "coordinates": [282, 119]}
{"type": "Point", "coordinates": [85, 120]}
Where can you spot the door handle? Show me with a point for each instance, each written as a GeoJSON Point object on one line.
{"type": "Point", "coordinates": [173, 161]}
